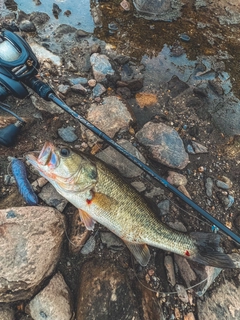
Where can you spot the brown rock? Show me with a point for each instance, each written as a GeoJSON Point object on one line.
{"type": "Point", "coordinates": [31, 240]}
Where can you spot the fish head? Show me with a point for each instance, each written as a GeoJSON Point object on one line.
{"type": "Point", "coordinates": [65, 169]}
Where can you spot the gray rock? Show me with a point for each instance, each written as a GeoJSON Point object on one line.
{"type": "Point", "coordinates": [51, 197]}
{"type": "Point", "coordinates": [67, 134]}
{"type": "Point", "coordinates": [207, 276]}
{"type": "Point", "coordinates": [139, 186]}
{"type": "Point", "coordinates": [48, 106]}
{"type": "Point", "coordinates": [6, 312]}
{"type": "Point", "coordinates": [98, 90]}
{"type": "Point", "coordinates": [209, 187]}
{"type": "Point", "coordinates": [198, 148]}
{"type": "Point", "coordinates": [110, 117]}
{"type": "Point", "coordinates": [182, 293]}
{"type": "Point", "coordinates": [101, 66]}
{"type": "Point", "coordinates": [79, 80]}
{"type": "Point", "coordinates": [222, 185]}
{"type": "Point", "coordinates": [111, 241]}
{"type": "Point", "coordinates": [27, 26]}
{"type": "Point", "coordinates": [164, 207]}
{"type": "Point", "coordinates": [168, 263]}
{"type": "Point", "coordinates": [30, 249]}
{"type": "Point", "coordinates": [53, 302]}
{"type": "Point", "coordinates": [222, 304]}
{"type": "Point", "coordinates": [78, 88]}
{"type": "Point", "coordinates": [164, 143]}
{"type": "Point", "coordinates": [89, 246]}
{"type": "Point", "coordinates": [154, 192]}
{"type": "Point", "coordinates": [64, 89]}
{"type": "Point", "coordinates": [117, 160]}
{"type": "Point", "coordinates": [185, 269]}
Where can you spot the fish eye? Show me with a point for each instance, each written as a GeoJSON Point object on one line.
{"type": "Point", "coordinates": [64, 152]}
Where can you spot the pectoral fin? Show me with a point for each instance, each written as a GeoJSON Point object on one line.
{"type": "Point", "coordinates": [86, 219]}
{"type": "Point", "coordinates": [140, 252]}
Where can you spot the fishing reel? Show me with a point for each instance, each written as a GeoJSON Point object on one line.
{"type": "Point", "coordinates": [18, 67]}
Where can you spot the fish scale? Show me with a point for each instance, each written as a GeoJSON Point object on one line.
{"type": "Point", "coordinates": [101, 195]}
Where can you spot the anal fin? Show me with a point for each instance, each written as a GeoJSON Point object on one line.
{"type": "Point", "coordinates": [140, 251]}
{"type": "Point", "coordinates": [86, 219]}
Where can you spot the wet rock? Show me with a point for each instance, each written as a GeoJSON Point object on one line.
{"type": "Point", "coordinates": [176, 179]}
{"type": "Point", "coordinates": [30, 247]}
{"type": "Point", "coordinates": [164, 207]}
{"type": "Point", "coordinates": [164, 143]}
{"type": "Point", "coordinates": [117, 160]}
{"type": "Point", "coordinates": [51, 197]}
{"type": "Point", "coordinates": [111, 241]}
{"type": "Point", "coordinates": [39, 18]}
{"type": "Point", "coordinates": [27, 26]}
{"type": "Point", "coordinates": [185, 269]}
{"type": "Point", "coordinates": [81, 34]}
{"type": "Point", "coordinates": [224, 301]}
{"type": "Point", "coordinates": [168, 263]}
{"type": "Point", "coordinates": [67, 134]}
{"type": "Point", "coordinates": [56, 10]}
{"type": "Point", "coordinates": [53, 302]}
{"type": "Point", "coordinates": [98, 90]}
{"type": "Point", "coordinates": [110, 116]}
{"type": "Point", "coordinates": [101, 66]}
{"type": "Point", "coordinates": [209, 187]}
{"type": "Point", "coordinates": [6, 312]}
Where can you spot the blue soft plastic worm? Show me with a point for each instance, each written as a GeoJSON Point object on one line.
{"type": "Point", "coordinates": [20, 174]}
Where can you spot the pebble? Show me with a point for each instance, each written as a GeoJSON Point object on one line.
{"type": "Point", "coordinates": [67, 134]}
{"type": "Point", "coordinates": [125, 5]}
{"type": "Point", "coordinates": [89, 246]}
{"type": "Point", "coordinates": [51, 197]}
{"type": "Point", "coordinates": [164, 207]}
{"type": "Point", "coordinates": [78, 88]}
{"type": "Point", "coordinates": [79, 80]}
{"type": "Point", "coordinates": [27, 26]}
{"type": "Point", "coordinates": [139, 186]}
{"type": "Point", "coordinates": [209, 187]}
{"type": "Point", "coordinates": [182, 293]}
{"type": "Point", "coordinates": [64, 89]}
{"type": "Point", "coordinates": [168, 263]}
{"type": "Point", "coordinates": [98, 90]}
{"type": "Point", "coordinates": [222, 185]}
{"type": "Point", "coordinates": [111, 241]}
{"type": "Point", "coordinates": [231, 201]}
{"type": "Point", "coordinates": [92, 83]}
{"type": "Point", "coordinates": [183, 189]}
{"type": "Point", "coordinates": [184, 37]}
{"type": "Point", "coordinates": [176, 179]}
{"type": "Point", "coordinates": [198, 148]}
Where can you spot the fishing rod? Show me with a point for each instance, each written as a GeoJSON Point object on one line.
{"type": "Point", "coordinates": [19, 66]}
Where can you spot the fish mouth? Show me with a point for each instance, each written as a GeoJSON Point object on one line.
{"type": "Point", "coordinates": [47, 157]}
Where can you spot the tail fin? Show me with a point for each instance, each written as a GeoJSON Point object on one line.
{"type": "Point", "coordinates": [209, 251]}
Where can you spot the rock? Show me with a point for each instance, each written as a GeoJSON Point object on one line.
{"type": "Point", "coordinates": [110, 117]}
{"type": "Point", "coordinates": [30, 248]}
{"type": "Point", "coordinates": [39, 18]}
{"type": "Point", "coordinates": [164, 207]}
{"type": "Point", "coordinates": [98, 90]}
{"type": "Point", "coordinates": [48, 106]}
{"type": "Point", "coordinates": [168, 263]}
{"type": "Point", "coordinates": [207, 273]}
{"type": "Point", "coordinates": [182, 293]}
{"type": "Point", "coordinates": [176, 179]}
{"type": "Point", "coordinates": [79, 80]}
{"type": "Point", "coordinates": [67, 134]}
{"type": "Point", "coordinates": [124, 92]}
{"type": "Point", "coordinates": [6, 312]}
{"type": "Point", "coordinates": [189, 316]}
{"type": "Point", "coordinates": [53, 302]}
{"type": "Point", "coordinates": [27, 26]}
{"type": "Point", "coordinates": [51, 197]}
{"type": "Point", "coordinates": [125, 5]}
{"type": "Point", "coordinates": [139, 186]}
{"type": "Point", "coordinates": [183, 189]}
{"type": "Point", "coordinates": [44, 54]}
{"type": "Point", "coordinates": [92, 83]}
{"type": "Point", "coordinates": [78, 88]}
{"type": "Point", "coordinates": [177, 225]}
{"type": "Point", "coordinates": [222, 185]}
{"type": "Point", "coordinates": [101, 66]}
{"type": "Point", "coordinates": [209, 187]}
{"type": "Point", "coordinates": [164, 143]}
{"type": "Point", "coordinates": [146, 99]}
{"type": "Point", "coordinates": [105, 292]}
{"type": "Point", "coordinates": [198, 148]}
{"type": "Point", "coordinates": [223, 302]}
{"type": "Point", "coordinates": [185, 269]}
{"type": "Point", "coordinates": [89, 246]}
{"type": "Point", "coordinates": [117, 160]}
{"type": "Point", "coordinates": [64, 89]}
{"type": "Point", "coordinates": [154, 192]}
{"type": "Point", "coordinates": [111, 241]}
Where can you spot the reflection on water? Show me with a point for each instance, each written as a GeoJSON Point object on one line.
{"type": "Point", "coordinates": [80, 16]}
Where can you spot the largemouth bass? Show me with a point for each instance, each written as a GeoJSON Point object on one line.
{"type": "Point", "coordinates": [101, 195]}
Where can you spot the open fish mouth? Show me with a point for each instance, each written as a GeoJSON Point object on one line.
{"type": "Point", "coordinates": [47, 157]}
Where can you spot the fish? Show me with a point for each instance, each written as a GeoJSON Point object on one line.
{"type": "Point", "coordinates": [102, 195]}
